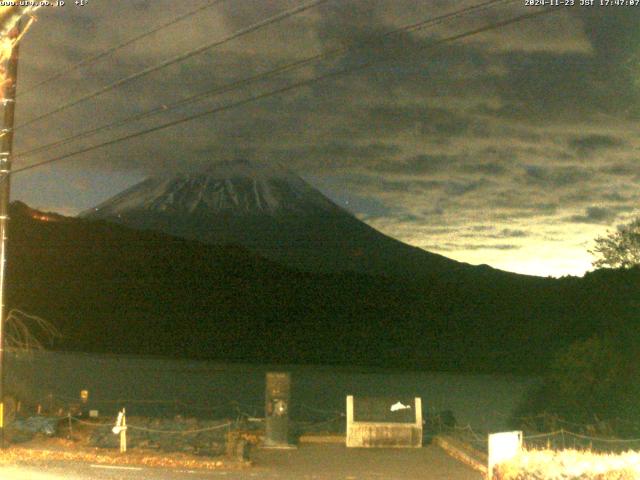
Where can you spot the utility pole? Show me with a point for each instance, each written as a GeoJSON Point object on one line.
{"type": "Point", "coordinates": [9, 102]}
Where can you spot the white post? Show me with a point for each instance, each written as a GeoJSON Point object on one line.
{"type": "Point", "coordinates": [120, 428]}
{"type": "Point", "coordinates": [123, 433]}
{"type": "Point", "coordinates": [349, 419]}
{"type": "Point", "coordinates": [418, 404]}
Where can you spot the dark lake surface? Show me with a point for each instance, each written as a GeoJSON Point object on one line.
{"type": "Point", "coordinates": [149, 386]}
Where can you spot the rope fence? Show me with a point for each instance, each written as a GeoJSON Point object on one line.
{"type": "Point", "coordinates": [561, 439]}
{"type": "Point", "coordinates": [566, 439]}
{"type": "Point", "coordinates": [152, 430]}
{"type": "Point", "coordinates": [180, 432]}
{"type": "Point", "coordinates": [231, 408]}
{"type": "Point", "coordinates": [549, 418]}
{"type": "Point", "coordinates": [598, 436]}
{"type": "Point", "coordinates": [307, 418]}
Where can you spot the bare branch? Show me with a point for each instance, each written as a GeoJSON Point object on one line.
{"type": "Point", "coordinates": [27, 333]}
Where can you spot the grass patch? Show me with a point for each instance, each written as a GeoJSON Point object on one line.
{"type": "Point", "coordinates": [570, 465]}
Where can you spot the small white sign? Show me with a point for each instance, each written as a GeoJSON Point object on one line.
{"type": "Point", "coordinates": [399, 406]}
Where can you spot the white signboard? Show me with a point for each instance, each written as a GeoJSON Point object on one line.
{"type": "Point", "coordinates": [503, 447]}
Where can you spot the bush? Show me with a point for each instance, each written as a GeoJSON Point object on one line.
{"type": "Point", "coordinates": [595, 381]}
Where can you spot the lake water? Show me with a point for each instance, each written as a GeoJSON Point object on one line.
{"type": "Point", "coordinates": [154, 386]}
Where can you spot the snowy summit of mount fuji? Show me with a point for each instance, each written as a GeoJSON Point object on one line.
{"type": "Point", "coordinates": [235, 187]}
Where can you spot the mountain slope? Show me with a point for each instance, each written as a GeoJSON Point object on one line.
{"type": "Point", "coordinates": [273, 212]}
{"type": "Point", "coordinates": [118, 290]}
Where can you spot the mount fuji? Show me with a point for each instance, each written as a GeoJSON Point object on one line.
{"type": "Point", "coordinates": [273, 212]}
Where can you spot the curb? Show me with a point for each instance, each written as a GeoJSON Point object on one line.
{"type": "Point", "coordinates": [322, 439]}
{"type": "Point", "coordinates": [463, 453]}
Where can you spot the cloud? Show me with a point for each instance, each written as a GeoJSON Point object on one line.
{"type": "Point", "coordinates": [492, 233]}
{"type": "Point", "coordinates": [332, 155]}
{"type": "Point", "coordinates": [590, 143]}
{"type": "Point", "coordinates": [569, 85]}
{"type": "Point", "coordinates": [616, 197]}
{"type": "Point", "coordinates": [508, 232]}
{"type": "Point", "coordinates": [419, 164]}
{"type": "Point", "coordinates": [622, 169]}
{"type": "Point", "coordinates": [614, 38]}
{"type": "Point", "coordinates": [423, 120]}
{"type": "Point", "coordinates": [479, 246]}
{"type": "Point", "coordinates": [481, 228]}
{"type": "Point", "coordinates": [523, 211]}
{"type": "Point", "coordinates": [490, 168]}
{"type": "Point", "coordinates": [595, 215]}
{"type": "Point", "coordinates": [554, 176]}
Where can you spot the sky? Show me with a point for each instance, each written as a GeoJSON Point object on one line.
{"type": "Point", "coordinates": [515, 147]}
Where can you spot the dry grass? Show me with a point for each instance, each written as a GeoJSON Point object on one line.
{"type": "Point", "coordinates": [43, 450]}
{"type": "Point", "coordinates": [569, 465]}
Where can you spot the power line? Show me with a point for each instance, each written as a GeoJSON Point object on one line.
{"type": "Point", "coordinates": [271, 73]}
{"type": "Point", "coordinates": [293, 86]}
{"type": "Point", "coordinates": [179, 58]}
{"type": "Point", "coordinates": [124, 44]}
{"type": "Point", "coordinates": [279, 91]}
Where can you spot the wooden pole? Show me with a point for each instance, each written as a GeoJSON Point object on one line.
{"type": "Point", "coordinates": [6, 152]}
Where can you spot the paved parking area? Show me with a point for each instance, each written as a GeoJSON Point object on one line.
{"type": "Point", "coordinates": [325, 462]}
{"type": "Point", "coordinates": [308, 462]}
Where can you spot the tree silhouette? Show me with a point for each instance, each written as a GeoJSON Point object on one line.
{"type": "Point", "coordinates": [620, 248]}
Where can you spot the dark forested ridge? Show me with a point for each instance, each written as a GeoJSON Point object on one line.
{"type": "Point", "coordinates": [109, 288]}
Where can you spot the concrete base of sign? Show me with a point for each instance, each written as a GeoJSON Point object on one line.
{"type": "Point", "coordinates": [369, 435]}
{"type": "Point", "coordinates": [279, 446]}
{"type": "Point", "coordinates": [322, 438]}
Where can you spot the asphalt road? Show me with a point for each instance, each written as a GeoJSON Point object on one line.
{"type": "Point", "coordinates": [308, 462]}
